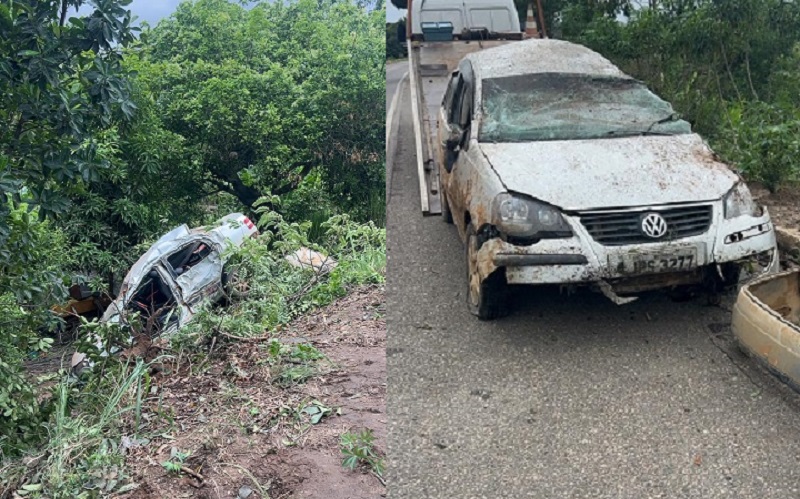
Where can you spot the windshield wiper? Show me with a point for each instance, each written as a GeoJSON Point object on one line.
{"type": "Point", "coordinates": [671, 117]}
{"type": "Point", "coordinates": [635, 133]}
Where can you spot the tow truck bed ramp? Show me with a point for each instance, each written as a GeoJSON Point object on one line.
{"type": "Point", "coordinates": [430, 65]}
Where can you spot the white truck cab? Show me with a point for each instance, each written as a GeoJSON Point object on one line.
{"type": "Point", "coordinates": [493, 16]}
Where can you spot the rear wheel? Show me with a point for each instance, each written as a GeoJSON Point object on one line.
{"type": "Point", "coordinates": [234, 284]}
{"type": "Point", "coordinates": [486, 299]}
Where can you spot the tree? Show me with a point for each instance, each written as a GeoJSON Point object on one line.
{"type": "Point", "coordinates": [265, 97]}
{"type": "Point", "coordinates": [62, 86]}
{"type": "Point", "coordinates": [728, 66]}
{"type": "Point", "coordinates": [395, 38]}
{"type": "Point", "coordinates": [61, 81]}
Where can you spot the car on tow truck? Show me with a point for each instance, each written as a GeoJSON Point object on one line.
{"type": "Point", "coordinates": [558, 168]}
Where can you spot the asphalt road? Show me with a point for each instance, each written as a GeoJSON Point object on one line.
{"type": "Point", "coordinates": [394, 73]}
{"type": "Point", "coordinates": [571, 396]}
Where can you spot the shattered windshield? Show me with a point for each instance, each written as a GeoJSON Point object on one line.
{"type": "Point", "coordinates": [555, 106]}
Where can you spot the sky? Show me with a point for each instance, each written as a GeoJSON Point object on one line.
{"type": "Point", "coordinates": [393, 13]}
{"type": "Point", "coordinates": [151, 11]}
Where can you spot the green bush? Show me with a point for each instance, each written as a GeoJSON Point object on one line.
{"type": "Point", "coordinates": [31, 272]}
{"type": "Point", "coordinates": [764, 142]}
{"type": "Point", "coordinates": [81, 457]}
{"type": "Point", "coordinates": [739, 92]}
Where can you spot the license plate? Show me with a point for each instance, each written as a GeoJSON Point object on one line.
{"type": "Point", "coordinates": [654, 263]}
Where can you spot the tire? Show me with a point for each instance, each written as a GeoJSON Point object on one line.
{"type": "Point", "coordinates": [447, 215]}
{"type": "Point", "coordinates": [233, 283]}
{"type": "Point", "coordinates": [486, 299]}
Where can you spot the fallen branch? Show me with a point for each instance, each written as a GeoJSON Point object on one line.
{"type": "Point", "coordinates": [191, 472]}
{"type": "Point", "coordinates": [380, 478]}
{"type": "Point", "coordinates": [248, 339]}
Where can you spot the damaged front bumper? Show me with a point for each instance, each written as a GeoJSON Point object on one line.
{"type": "Point", "coordinates": [747, 242]}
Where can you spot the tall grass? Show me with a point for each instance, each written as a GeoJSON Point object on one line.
{"type": "Point", "coordinates": [83, 456]}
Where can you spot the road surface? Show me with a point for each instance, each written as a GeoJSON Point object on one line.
{"type": "Point", "coordinates": [394, 73]}
{"type": "Point", "coordinates": [571, 396]}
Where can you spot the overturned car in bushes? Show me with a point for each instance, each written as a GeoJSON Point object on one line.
{"type": "Point", "coordinates": [184, 268]}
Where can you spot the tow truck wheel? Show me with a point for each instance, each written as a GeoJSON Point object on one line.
{"type": "Point", "coordinates": [447, 215]}
{"type": "Point", "coordinates": [486, 299]}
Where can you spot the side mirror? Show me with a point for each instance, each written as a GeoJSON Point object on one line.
{"type": "Point", "coordinates": [454, 138]}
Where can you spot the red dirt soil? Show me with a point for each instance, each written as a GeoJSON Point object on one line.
{"type": "Point", "coordinates": [244, 431]}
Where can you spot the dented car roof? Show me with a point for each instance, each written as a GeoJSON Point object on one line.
{"type": "Point", "coordinates": [541, 56]}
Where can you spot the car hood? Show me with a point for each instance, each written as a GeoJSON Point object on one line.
{"type": "Point", "coordinates": [611, 173]}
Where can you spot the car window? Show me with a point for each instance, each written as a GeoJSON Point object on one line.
{"type": "Point", "coordinates": [556, 106]}
{"type": "Point", "coordinates": [451, 89]}
{"type": "Point", "coordinates": [465, 114]}
{"type": "Point", "coordinates": [188, 256]}
{"type": "Point", "coordinates": [153, 300]}
{"type": "Point", "coordinates": [455, 106]}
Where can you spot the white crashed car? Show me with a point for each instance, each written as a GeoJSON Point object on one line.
{"type": "Point", "coordinates": [184, 268]}
{"type": "Point", "coordinates": [558, 168]}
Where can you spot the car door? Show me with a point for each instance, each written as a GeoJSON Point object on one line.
{"type": "Point", "coordinates": [456, 162]}
{"type": "Point", "coordinates": [443, 128]}
{"type": "Point", "coordinates": [200, 277]}
{"type": "Point", "coordinates": [450, 127]}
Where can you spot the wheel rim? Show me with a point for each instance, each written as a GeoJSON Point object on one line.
{"type": "Point", "coordinates": [237, 285]}
{"type": "Point", "coordinates": [473, 278]}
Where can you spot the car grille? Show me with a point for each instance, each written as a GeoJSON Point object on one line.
{"type": "Point", "coordinates": [617, 228]}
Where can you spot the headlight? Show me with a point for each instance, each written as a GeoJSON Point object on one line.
{"type": "Point", "coordinates": [738, 202]}
{"type": "Point", "coordinates": [520, 217]}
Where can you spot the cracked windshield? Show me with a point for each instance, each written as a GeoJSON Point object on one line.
{"type": "Point", "coordinates": [552, 106]}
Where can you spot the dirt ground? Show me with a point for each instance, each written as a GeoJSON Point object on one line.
{"type": "Point", "coordinates": [784, 205]}
{"type": "Point", "coordinates": [249, 437]}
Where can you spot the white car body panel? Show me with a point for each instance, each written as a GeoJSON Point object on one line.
{"type": "Point", "coordinates": [610, 173]}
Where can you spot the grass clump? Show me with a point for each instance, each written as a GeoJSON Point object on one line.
{"type": "Point", "coordinates": [358, 449]}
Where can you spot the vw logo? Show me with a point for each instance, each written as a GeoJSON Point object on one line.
{"type": "Point", "coordinates": [654, 225]}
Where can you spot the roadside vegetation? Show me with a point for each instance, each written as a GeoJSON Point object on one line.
{"type": "Point", "coordinates": [117, 134]}
{"type": "Point", "coordinates": [395, 40]}
{"type": "Point", "coordinates": [358, 449]}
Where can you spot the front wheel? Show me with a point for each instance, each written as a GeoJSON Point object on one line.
{"type": "Point", "coordinates": [486, 299]}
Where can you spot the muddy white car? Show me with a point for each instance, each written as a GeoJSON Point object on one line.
{"type": "Point", "coordinates": [558, 168]}
{"type": "Point", "coordinates": [181, 270]}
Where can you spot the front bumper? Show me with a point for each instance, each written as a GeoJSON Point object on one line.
{"type": "Point", "coordinates": [581, 260]}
